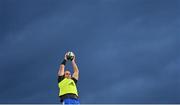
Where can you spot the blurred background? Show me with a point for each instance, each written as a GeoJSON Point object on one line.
{"type": "Point", "coordinates": [127, 50]}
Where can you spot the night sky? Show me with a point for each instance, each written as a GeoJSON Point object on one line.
{"type": "Point", "coordinates": [127, 51]}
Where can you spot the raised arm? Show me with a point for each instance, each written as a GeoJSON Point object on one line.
{"type": "Point", "coordinates": [62, 66]}
{"type": "Point", "coordinates": [75, 69]}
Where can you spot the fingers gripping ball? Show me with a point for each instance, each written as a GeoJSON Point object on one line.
{"type": "Point", "coordinates": [70, 56]}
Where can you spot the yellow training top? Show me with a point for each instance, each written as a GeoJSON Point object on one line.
{"type": "Point", "coordinates": [67, 86]}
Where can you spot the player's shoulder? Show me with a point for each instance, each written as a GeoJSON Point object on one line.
{"type": "Point", "coordinates": [60, 78]}
{"type": "Point", "coordinates": [74, 79]}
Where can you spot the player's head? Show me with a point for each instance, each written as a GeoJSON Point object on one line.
{"type": "Point", "coordinates": [67, 74]}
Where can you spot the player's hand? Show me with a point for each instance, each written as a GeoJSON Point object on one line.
{"type": "Point", "coordinates": [73, 60]}
{"type": "Point", "coordinates": [65, 57]}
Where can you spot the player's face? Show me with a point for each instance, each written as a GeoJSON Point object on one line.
{"type": "Point", "coordinates": [67, 74]}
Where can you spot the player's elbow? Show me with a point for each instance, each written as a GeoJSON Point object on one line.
{"type": "Point", "coordinates": [76, 71]}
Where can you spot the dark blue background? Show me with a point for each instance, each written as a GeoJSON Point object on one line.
{"type": "Point", "coordinates": [127, 50]}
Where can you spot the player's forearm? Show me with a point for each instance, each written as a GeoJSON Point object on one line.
{"type": "Point", "coordinates": [61, 68]}
{"type": "Point", "coordinates": [75, 67]}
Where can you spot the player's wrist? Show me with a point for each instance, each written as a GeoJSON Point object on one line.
{"type": "Point", "coordinates": [64, 62]}
{"type": "Point", "coordinates": [73, 61]}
